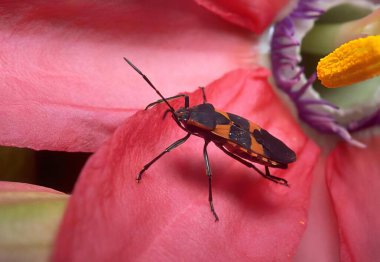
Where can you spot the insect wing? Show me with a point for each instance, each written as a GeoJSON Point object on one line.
{"type": "Point", "coordinates": [274, 148]}
{"type": "Point", "coordinates": [252, 142]}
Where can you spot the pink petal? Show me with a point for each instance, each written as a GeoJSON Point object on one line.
{"type": "Point", "coordinates": [354, 184]}
{"type": "Point", "coordinates": [167, 217]}
{"type": "Point", "coordinates": [321, 239]}
{"type": "Point", "coordinates": [253, 15]}
{"type": "Point", "coordinates": [65, 85]}
{"type": "Point", "coordinates": [23, 187]}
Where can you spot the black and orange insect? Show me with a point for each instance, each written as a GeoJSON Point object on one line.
{"type": "Point", "coordinates": [236, 136]}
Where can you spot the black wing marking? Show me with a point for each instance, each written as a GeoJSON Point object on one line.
{"type": "Point", "coordinates": [239, 121]}
{"type": "Point", "coordinates": [274, 148]}
{"type": "Point", "coordinates": [240, 136]}
{"type": "Point", "coordinates": [204, 115]}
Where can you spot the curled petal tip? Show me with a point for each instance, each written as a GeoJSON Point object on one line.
{"type": "Point", "coordinates": [357, 143]}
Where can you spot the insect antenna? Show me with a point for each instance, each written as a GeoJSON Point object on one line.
{"type": "Point", "coordinates": [150, 83]}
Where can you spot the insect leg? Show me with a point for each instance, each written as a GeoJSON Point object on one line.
{"type": "Point", "coordinates": [267, 175]}
{"type": "Point", "coordinates": [167, 99]}
{"type": "Point", "coordinates": [280, 180]}
{"type": "Point", "coordinates": [168, 149]}
{"type": "Point", "coordinates": [203, 94]}
{"type": "Point", "coordinates": [208, 172]}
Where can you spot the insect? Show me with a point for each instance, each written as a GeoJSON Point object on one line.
{"type": "Point", "coordinates": [236, 136]}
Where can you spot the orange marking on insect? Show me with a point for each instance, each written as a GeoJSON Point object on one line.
{"type": "Point", "coordinates": [253, 127]}
{"type": "Point", "coordinates": [222, 131]}
{"type": "Point", "coordinates": [256, 147]}
{"type": "Point", "coordinates": [197, 124]}
{"type": "Point", "coordinates": [223, 113]}
{"type": "Point", "coordinates": [236, 146]}
{"type": "Point", "coordinates": [274, 163]}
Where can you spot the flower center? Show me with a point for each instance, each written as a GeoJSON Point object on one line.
{"type": "Point", "coordinates": [352, 64]}
{"type": "Point", "coordinates": [355, 61]}
{"type": "Point", "coordinates": [311, 31]}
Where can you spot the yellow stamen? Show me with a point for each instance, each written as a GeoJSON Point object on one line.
{"type": "Point", "coordinates": [350, 63]}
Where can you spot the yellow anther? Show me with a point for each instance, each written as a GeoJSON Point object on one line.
{"type": "Point", "coordinates": [350, 63]}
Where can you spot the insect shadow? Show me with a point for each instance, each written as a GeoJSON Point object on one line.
{"type": "Point", "coordinates": [234, 182]}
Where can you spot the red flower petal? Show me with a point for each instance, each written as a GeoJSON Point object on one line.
{"type": "Point", "coordinates": [354, 184]}
{"type": "Point", "coordinates": [64, 80]}
{"type": "Point", "coordinates": [167, 217]}
{"type": "Point", "coordinates": [321, 240]}
{"type": "Point", "coordinates": [254, 15]}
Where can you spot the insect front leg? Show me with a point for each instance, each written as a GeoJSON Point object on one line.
{"type": "Point", "coordinates": [186, 97]}
{"type": "Point", "coordinates": [208, 172]}
{"type": "Point", "coordinates": [167, 150]}
{"type": "Point", "coordinates": [203, 94]}
{"type": "Point", "coordinates": [267, 174]}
